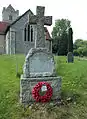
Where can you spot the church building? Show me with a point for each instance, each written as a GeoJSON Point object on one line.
{"type": "Point", "coordinates": [17, 36]}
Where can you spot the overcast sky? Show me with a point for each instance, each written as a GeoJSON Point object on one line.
{"type": "Point", "coordinates": [74, 10]}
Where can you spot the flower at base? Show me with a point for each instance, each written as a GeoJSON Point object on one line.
{"type": "Point", "coordinates": [36, 89]}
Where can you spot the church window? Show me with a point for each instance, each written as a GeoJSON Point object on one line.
{"type": "Point", "coordinates": [28, 32]}
{"type": "Point", "coordinates": [31, 34]}
{"type": "Point", "coordinates": [10, 17]}
{"type": "Point", "coordinates": [25, 34]}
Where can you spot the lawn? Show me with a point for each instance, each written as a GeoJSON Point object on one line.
{"type": "Point", "coordinates": [74, 87]}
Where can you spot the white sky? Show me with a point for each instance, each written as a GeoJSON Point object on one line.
{"type": "Point", "coordinates": [74, 10]}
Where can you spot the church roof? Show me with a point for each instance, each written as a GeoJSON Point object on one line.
{"type": "Point", "coordinates": [10, 8]}
{"type": "Point", "coordinates": [3, 27]}
{"type": "Point", "coordinates": [48, 37]}
{"type": "Point", "coordinates": [18, 19]}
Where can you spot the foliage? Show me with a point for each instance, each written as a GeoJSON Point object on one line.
{"type": "Point", "coordinates": [60, 36]}
{"type": "Point", "coordinates": [61, 25]}
{"type": "Point", "coordinates": [80, 47]}
{"type": "Point", "coordinates": [76, 53]}
{"type": "Point", "coordinates": [63, 45]}
{"type": "Point", "coordinates": [74, 84]}
{"type": "Point", "coordinates": [55, 45]}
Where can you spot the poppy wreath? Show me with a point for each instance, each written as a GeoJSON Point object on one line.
{"type": "Point", "coordinates": [36, 95]}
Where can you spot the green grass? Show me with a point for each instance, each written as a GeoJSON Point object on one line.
{"type": "Point", "coordinates": [74, 85]}
{"type": "Point", "coordinates": [9, 87]}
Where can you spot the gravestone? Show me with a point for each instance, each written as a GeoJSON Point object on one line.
{"type": "Point", "coordinates": [39, 64]}
{"type": "Point", "coordinates": [70, 57]}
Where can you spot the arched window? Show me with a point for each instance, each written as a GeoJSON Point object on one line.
{"type": "Point", "coordinates": [31, 34]}
{"type": "Point", "coordinates": [25, 34]}
{"type": "Point", "coordinates": [28, 32]}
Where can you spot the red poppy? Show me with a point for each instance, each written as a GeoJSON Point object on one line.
{"type": "Point", "coordinates": [42, 98]}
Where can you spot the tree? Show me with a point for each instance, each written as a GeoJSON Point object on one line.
{"type": "Point", "coordinates": [80, 47]}
{"type": "Point", "coordinates": [78, 43]}
{"type": "Point", "coordinates": [62, 45]}
{"type": "Point", "coordinates": [55, 45]}
{"type": "Point", "coordinates": [60, 36]}
{"type": "Point", "coordinates": [61, 25]}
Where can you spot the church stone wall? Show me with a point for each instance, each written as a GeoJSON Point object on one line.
{"type": "Point", "coordinates": [9, 11]}
{"type": "Point", "coordinates": [2, 44]}
{"type": "Point", "coordinates": [17, 44]}
{"type": "Point", "coordinates": [20, 44]}
{"type": "Point", "coordinates": [8, 42]}
{"type": "Point", "coordinates": [6, 15]}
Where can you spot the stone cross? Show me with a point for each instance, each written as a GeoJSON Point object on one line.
{"type": "Point", "coordinates": [40, 20]}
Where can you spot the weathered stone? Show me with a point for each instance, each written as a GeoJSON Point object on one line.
{"type": "Point", "coordinates": [39, 66]}
{"type": "Point", "coordinates": [27, 85]}
{"type": "Point", "coordinates": [70, 57]}
{"type": "Point", "coordinates": [39, 63]}
{"type": "Point", "coordinates": [40, 20]}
